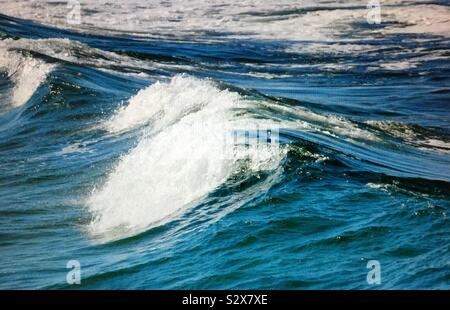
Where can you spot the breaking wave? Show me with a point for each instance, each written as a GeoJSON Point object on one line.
{"type": "Point", "coordinates": [185, 152]}
{"type": "Point", "coordinates": [26, 72]}
{"type": "Point", "coordinates": [224, 138]}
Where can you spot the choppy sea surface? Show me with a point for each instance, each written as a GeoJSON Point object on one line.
{"type": "Point", "coordinates": [114, 148]}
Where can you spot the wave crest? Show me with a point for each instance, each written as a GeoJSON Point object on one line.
{"type": "Point", "coordinates": [26, 72]}
{"type": "Point", "coordinates": [177, 161]}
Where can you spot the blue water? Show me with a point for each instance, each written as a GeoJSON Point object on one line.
{"type": "Point", "coordinates": [369, 181]}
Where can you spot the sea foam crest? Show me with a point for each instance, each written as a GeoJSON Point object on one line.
{"type": "Point", "coordinates": [26, 72]}
{"type": "Point", "coordinates": [180, 157]}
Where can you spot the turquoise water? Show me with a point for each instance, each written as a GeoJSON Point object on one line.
{"type": "Point", "coordinates": [93, 170]}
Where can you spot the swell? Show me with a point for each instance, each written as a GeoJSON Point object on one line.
{"type": "Point", "coordinates": [178, 161]}
{"type": "Point", "coordinates": [165, 114]}
{"type": "Point", "coordinates": [26, 72]}
{"type": "Point", "coordinates": [183, 155]}
{"type": "Point", "coordinates": [183, 118]}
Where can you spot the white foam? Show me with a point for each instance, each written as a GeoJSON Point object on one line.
{"type": "Point", "coordinates": [245, 18]}
{"type": "Point", "coordinates": [421, 18]}
{"type": "Point", "coordinates": [174, 164]}
{"type": "Point", "coordinates": [162, 103]}
{"type": "Point", "coordinates": [82, 54]}
{"type": "Point", "coordinates": [74, 148]}
{"type": "Point", "coordinates": [26, 72]}
{"type": "Point", "coordinates": [407, 133]}
{"type": "Point", "coordinates": [328, 124]}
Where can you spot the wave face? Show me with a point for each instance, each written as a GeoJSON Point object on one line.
{"type": "Point", "coordinates": [220, 141]}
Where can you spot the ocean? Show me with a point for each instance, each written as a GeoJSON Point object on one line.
{"type": "Point", "coordinates": [225, 144]}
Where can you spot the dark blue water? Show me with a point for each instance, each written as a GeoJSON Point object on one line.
{"type": "Point", "coordinates": [362, 172]}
